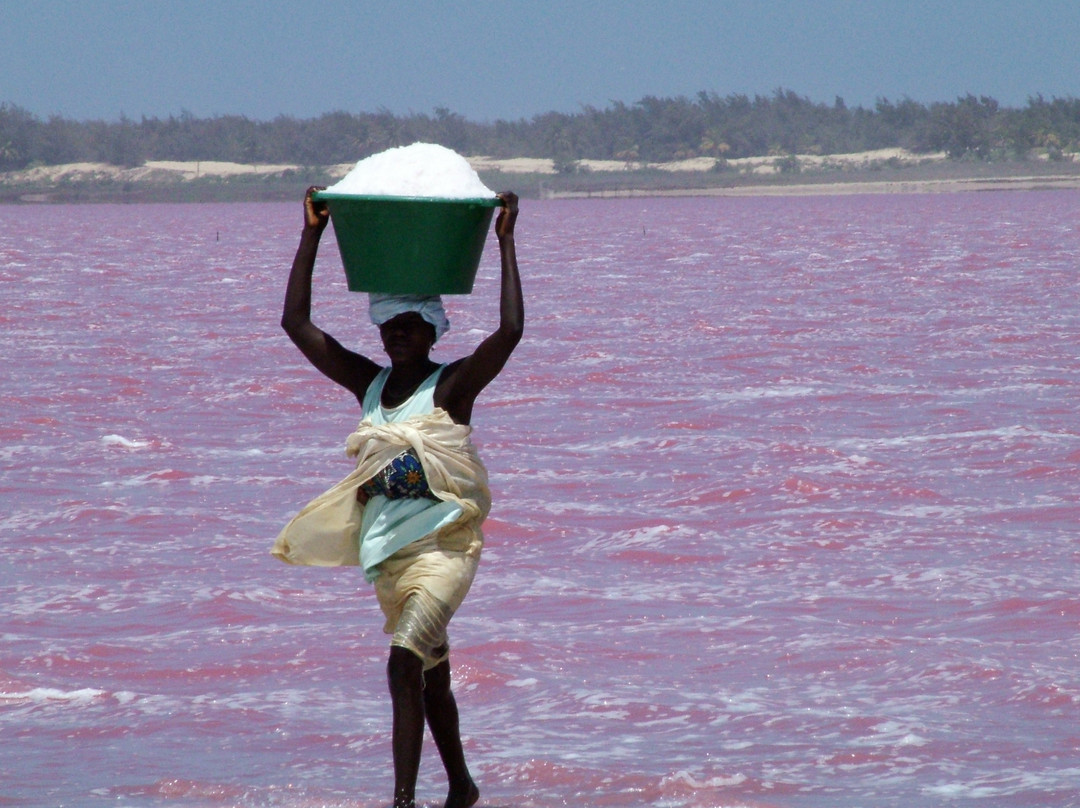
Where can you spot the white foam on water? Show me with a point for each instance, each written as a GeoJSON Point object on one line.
{"type": "Point", "coordinates": [655, 536]}
{"type": "Point", "coordinates": [51, 694]}
{"type": "Point", "coordinates": [686, 778]}
{"type": "Point", "coordinates": [530, 682]}
{"type": "Point", "coordinates": [124, 443]}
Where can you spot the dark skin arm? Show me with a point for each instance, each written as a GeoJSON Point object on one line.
{"type": "Point", "coordinates": [463, 380]}
{"type": "Point", "coordinates": [351, 370]}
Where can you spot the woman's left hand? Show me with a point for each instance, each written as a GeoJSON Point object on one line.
{"type": "Point", "coordinates": [504, 225]}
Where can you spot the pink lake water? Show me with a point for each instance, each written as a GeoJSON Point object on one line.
{"type": "Point", "coordinates": [786, 512]}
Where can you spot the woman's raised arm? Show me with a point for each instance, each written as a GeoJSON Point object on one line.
{"type": "Point", "coordinates": [465, 380]}
{"type": "Point", "coordinates": [351, 370]}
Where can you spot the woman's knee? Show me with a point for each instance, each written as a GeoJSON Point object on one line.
{"type": "Point", "coordinates": [404, 670]}
{"type": "Point", "coordinates": [437, 679]}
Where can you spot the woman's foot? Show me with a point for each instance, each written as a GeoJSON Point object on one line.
{"type": "Point", "coordinates": [462, 797]}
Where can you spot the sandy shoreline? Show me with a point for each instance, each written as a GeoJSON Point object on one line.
{"type": "Point", "coordinates": [1031, 183]}
{"type": "Point", "coordinates": [191, 170]}
{"type": "Point", "coordinates": [763, 173]}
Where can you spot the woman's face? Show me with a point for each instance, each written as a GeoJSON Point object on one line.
{"type": "Point", "coordinates": [408, 336]}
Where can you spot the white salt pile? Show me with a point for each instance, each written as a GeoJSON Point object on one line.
{"type": "Point", "coordinates": [420, 170]}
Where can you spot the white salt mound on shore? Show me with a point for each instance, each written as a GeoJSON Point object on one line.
{"type": "Point", "coordinates": [419, 170]}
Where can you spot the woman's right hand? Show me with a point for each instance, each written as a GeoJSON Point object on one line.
{"type": "Point", "coordinates": [316, 214]}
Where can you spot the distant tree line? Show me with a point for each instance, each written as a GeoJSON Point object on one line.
{"type": "Point", "coordinates": [650, 130]}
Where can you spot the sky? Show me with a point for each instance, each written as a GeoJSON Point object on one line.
{"type": "Point", "coordinates": [509, 60]}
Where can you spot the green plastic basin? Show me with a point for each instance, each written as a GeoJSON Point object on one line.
{"type": "Point", "coordinates": [409, 245]}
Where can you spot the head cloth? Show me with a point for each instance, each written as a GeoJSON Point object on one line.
{"type": "Point", "coordinates": [383, 307]}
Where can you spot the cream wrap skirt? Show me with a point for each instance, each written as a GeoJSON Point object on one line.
{"type": "Point", "coordinates": [438, 568]}
{"type": "Point", "coordinates": [419, 588]}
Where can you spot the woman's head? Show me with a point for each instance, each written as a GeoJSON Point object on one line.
{"type": "Point", "coordinates": [409, 325]}
{"type": "Point", "coordinates": [407, 337]}
{"type": "Point", "coordinates": [384, 307]}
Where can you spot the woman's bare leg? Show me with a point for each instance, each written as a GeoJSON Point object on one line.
{"type": "Point", "coordinates": [441, 711]}
{"type": "Point", "coordinates": [405, 673]}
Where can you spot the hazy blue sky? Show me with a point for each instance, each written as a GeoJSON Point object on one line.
{"type": "Point", "coordinates": [505, 59]}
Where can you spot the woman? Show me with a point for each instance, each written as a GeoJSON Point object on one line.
{"type": "Point", "coordinates": [418, 495]}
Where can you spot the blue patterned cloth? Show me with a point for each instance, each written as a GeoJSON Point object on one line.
{"type": "Point", "coordinates": [402, 478]}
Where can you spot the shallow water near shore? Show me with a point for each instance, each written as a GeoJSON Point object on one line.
{"type": "Point", "coordinates": [785, 511]}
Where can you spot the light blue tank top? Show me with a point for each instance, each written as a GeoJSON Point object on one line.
{"type": "Point", "coordinates": [391, 524]}
{"type": "Point", "coordinates": [421, 402]}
